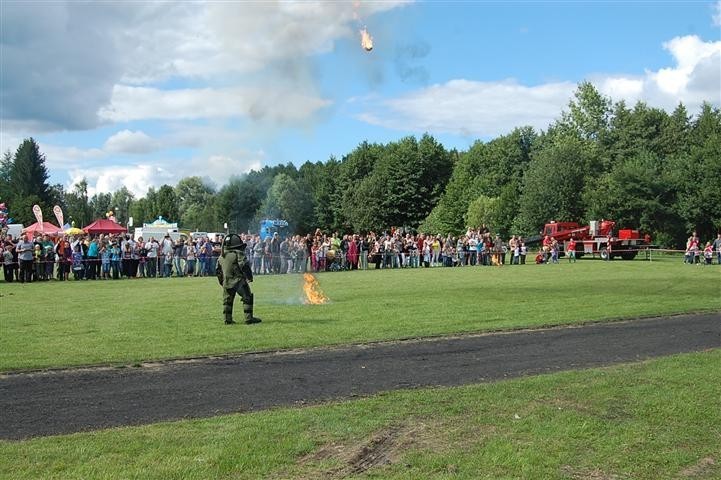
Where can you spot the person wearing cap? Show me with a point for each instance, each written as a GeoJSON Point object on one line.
{"type": "Point", "coordinates": [234, 275]}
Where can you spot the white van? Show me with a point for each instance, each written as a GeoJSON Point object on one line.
{"type": "Point", "coordinates": [15, 229]}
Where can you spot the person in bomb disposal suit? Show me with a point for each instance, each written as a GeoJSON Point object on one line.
{"type": "Point", "coordinates": [234, 274]}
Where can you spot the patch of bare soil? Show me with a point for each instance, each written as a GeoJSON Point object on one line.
{"type": "Point", "coordinates": [701, 469]}
{"type": "Point", "coordinates": [584, 474]}
{"type": "Point", "coordinates": [386, 447]}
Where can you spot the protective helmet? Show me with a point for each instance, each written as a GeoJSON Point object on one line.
{"type": "Point", "coordinates": [233, 242]}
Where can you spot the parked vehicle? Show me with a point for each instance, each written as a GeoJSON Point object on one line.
{"type": "Point", "coordinates": [597, 238]}
{"type": "Point", "coordinates": [268, 227]}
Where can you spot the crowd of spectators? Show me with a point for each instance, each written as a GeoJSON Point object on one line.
{"type": "Point", "coordinates": [696, 250]}
{"type": "Point", "coordinates": [112, 257]}
{"type": "Point", "coordinates": [396, 249]}
{"type": "Point", "coordinates": [104, 257]}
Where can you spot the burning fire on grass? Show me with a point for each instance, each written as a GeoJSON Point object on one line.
{"type": "Point", "coordinates": [313, 294]}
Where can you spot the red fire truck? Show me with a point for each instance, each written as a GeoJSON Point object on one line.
{"type": "Point", "coordinates": [597, 238]}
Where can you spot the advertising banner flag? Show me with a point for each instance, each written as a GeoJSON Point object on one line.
{"type": "Point", "coordinates": [58, 215]}
{"type": "Point", "coordinates": [38, 216]}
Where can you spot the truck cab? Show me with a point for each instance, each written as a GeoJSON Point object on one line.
{"type": "Point", "coordinates": [268, 227]}
{"type": "Point", "coordinates": [555, 228]}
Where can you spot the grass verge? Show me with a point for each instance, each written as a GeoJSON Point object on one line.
{"type": "Point", "coordinates": [59, 324]}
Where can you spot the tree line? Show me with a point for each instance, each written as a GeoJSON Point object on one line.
{"type": "Point", "coordinates": [641, 166]}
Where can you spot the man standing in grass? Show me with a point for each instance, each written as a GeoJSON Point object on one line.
{"type": "Point", "coordinates": [234, 274]}
{"type": "Point", "coordinates": [25, 256]}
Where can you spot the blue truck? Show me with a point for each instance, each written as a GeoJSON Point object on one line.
{"type": "Point", "coordinates": [268, 227]}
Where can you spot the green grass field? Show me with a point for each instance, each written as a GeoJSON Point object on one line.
{"type": "Point", "coordinates": [659, 419]}
{"type": "Point", "coordinates": [58, 324]}
{"type": "Point", "coordinates": [655, 420]}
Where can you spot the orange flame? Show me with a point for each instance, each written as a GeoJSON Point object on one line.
{"type": "Point", "coordinates": [313, 294]}
{"type": "Point", "coordinates": [366, 40]}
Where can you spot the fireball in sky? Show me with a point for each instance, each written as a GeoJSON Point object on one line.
{"type": "Point", "coordinates": [366, 40]}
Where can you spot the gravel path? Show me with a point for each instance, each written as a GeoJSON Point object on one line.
{"type": "Point", "coordinates": [59, 402]}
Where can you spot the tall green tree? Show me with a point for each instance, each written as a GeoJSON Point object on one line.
{"type": "Point", "coordinates": [6, 165]}
{"type": "Point", "coordinates": [121, 203]}
{"type": "Point", "coordinates": [100, 204]}
{"type": "Point", "coordinates": [238, 201]}
{"type": "Point", "coordinates": [353, 168]}
{"type": "Point", "coordinates": [492, 169]}
{"type": "Point", "coordinates": [195, 204]}
{"type": "Point", "coordinates": [287, 200]}
{"type": "Point", "coordinates": [192, 191]}
{"type": "Point", "coordinates": [57, 196]}
{"type": "Point", "coordinates": [675, 137]}
{"type": "Point", "coordinates": [484, 211]}
{"type": "Point", "coordinates": [588, 114]}
{"type": "Point", "coordinates": [140, 211]}
{"type": "Point", "coordinates": [636, 194]}
{"type": "Point", "coordinates": [697, 176]}
{"type": "Point", "coordinates": [322, 179]}
{"type": "Point", "coordinates": [150, 208]}
{"type": "Point", "coordinates": [28, 181]}
{"type": "Point", "coordinates": [405, 182]}
{"type": "Point", "coordinates": [77, 204]}
{"type": "Point", "coordinates": [464, 185]}
{"type": "Point", "coordinates": [166, 203]}
{"type": "Point", "coordinates": [553, 186]}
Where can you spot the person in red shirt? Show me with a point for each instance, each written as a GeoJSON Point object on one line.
{"type": "Point", "coordinates": [571, 253]}
{"type": "Point", "coordinates": [708, 253]}
{"type": "Point", "coordinates": [547, 241]}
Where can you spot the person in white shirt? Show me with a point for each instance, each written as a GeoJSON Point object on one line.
{"type": "Point", "coordinates": [152, 264]}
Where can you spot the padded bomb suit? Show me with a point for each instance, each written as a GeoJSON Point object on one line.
{"type": "Point", "coordinates": [234, 273]}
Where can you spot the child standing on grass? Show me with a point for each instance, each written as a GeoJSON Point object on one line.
{"type": "Point", "coordinates": [708, 253]}
{"type": "Point", "coordinates": [554, 251]}
{"type": "Point", "coordinates": [38, 262]}
{"type": "Point", "coordinates": [77, 260]}
{"type": "Point", "coordinates": [168, 264]}
{"type": "Point", "coordinates": [115, 260]}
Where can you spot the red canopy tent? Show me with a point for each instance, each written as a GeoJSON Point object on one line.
{"type": "Point", "coordinates": [104, 226]}
{"type": "Point", "coordinates": [45, 228]}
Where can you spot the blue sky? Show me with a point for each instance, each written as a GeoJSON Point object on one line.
{"type": "Point", "coordinates": [146, 93]}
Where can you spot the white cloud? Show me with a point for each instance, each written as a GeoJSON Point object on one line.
{"type": "Point", "coordinates": [275, 106]}
{"type": "Point", "coordinates": [487, 109]}
{"type": "Point", "coordinates": [127, 141]}
{"type": "Point", "coordinates": [688, 52]}
{"type": "Point", "coordinates": [90, 55]}
{"type": "Point", "coordinates": [717, 14]}
{"type": "Point", "coordinates": [220, 168]}
{"type": "Point", "coordinates": [627, 88]}
{"type": "Point", "coordinates": [110, 178]}
{"type": "Point", "coordinates": [139, 177]}
{"type": "Point", "coordinates": [61, 157]}
{"type": "Point", "coordinates": [252, 35]}
{"type": "Point", "coordinates": [471, 108]}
